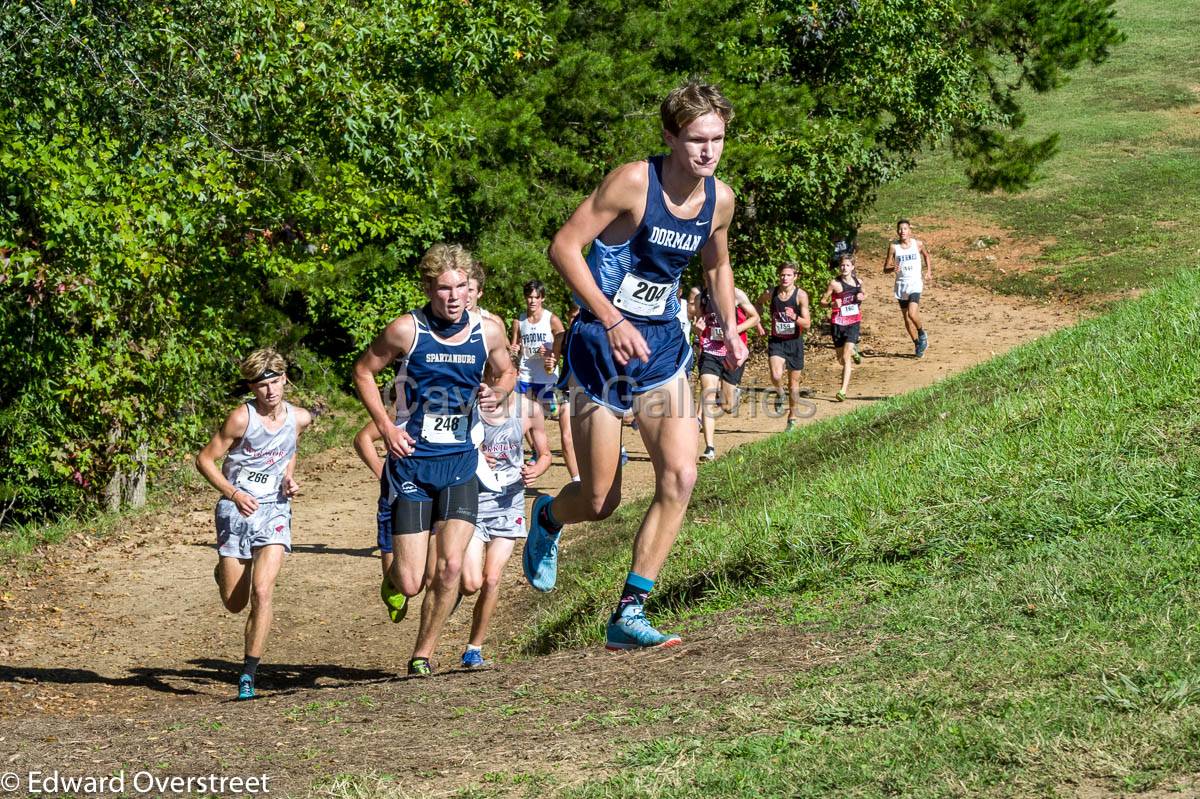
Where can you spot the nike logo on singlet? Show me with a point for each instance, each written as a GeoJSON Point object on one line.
{"type": "Point", "coordinates": [674, 239]}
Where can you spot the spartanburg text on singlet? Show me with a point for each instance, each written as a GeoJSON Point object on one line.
{"type": "Point", "coordinates": [257, 463]}
{"type": "Point", "coordinates": [437, 388]}
{"type": "Point", "coordinates": [641, 276]}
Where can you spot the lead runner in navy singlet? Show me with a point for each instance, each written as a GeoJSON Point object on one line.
{"type": "Point", "coordinates": [626, 350]}
{"type": "Point", "coordinates": [432, 455]}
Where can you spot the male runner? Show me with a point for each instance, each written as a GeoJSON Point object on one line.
{"type": "Point", "coordinates": [844, 296]}
{"type": "Point", "coordinates": [501, 519]}
{"type": "Point", "coordinates": [787, 307]}
{"type": "Point", "coordinates": [533, 346]}
{"type": "Point", "coordinates": [254, 515]}
{"type": "Point", "coordinates": [905, 257]}
{"type": "Point", "coordinates": [718, 383]}
{"type": "Point", "coordinates": [644, 224]}
{"type": "Point", "coordinates": [432, 457]}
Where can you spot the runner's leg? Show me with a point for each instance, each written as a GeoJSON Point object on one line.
{"type": "Point", "coordinates": [793, 376]}
{"type": "Point", "coordinates": [440, 596]}
{"type": "Point", "coordinates": [710, 388]}
{"type": "Point", "coordinates": [665, 418]}
{"type": "Point", "coordinates": [568, 442]}
{"type": "Point", "coordinates": [267, 562]}
{"type": "Point", "coordinates": [408, 563]}
{"type": "Point", "coordinates": [496, 556]}
{"type": "Point", "coordinates": [472, 576]}
{"type": "Point", "coordinates": [233, 581]}
{"type": "Point", "coordinates": [845, 356]}
{"type": "Point", "coordinates": [597, 442]}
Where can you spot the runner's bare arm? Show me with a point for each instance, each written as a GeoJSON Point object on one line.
{"type": "Point", "coordinates": [535, 427]}
{"type": "Point", "coordinates": [748, 308]}
{"type": "Point", "coordinates": [622, 194]}
{"type": "Point", "coordinates": [804, 320]}
{"type": "Point", "coordinates": [290, 487]}
{"type": "Point", "coordinates": [714, 260]}
{"type": "Point", "coordinates": [233, 428]}
{"type": "Point", "coordinates": [395, 341]}
{"type": "Point", "coordinates": [514, 341]}
{"type": "Point", "coordinates": [558, 330]}
{"type": "Point", "coordinates": [889, 260]}
{"type": "Point", "coordinates": [504, 374]}
{"type": "Point", "coordinates": [928, 263]}
{"type": "Point", "coordinates": [827, 297]}
{"type": "Point", "coordinates": [364, 445]}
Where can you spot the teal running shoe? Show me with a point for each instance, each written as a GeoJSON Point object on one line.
{"type": "Point", "coordinates": [246, 687]}
{"type": "Point", "coordinates": [540, 558]}
{"type": "Point", "coordinates": [922, 344]}
{"type": "Point", "coordinates": [632, 630]}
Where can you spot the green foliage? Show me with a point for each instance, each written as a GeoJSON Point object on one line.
{"type": "Point", "coordinates": [181, 181]}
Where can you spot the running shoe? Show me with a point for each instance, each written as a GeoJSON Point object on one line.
{"type": "Point", "coordinates": [922, 344]}
{"type": "Point", "coordinates": [855, 355]}
{"type": "Point", "coordinates": [840, 396]}
{"type": "Point", "coordinates": [473, 659]}
{"type": "Point", "coordinates": [396, 602]}
{"type": "Point", "coordinates": [632, 630]}
{"type": "Point", "coordinates": [540, 558]}
{"type": "Point", "coordinates": [624, 456]}
{"type": "Point", "coordinates": [791, 425]}
{"type": "Point", "coordinates": [419, 667]}
{"type": "Point", "coordinates": [710, 454]}
{"type": "Point", "coordinates": [245, 687]}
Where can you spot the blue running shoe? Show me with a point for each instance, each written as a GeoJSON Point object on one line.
{"type": "Point", "coordinates": [624, 456]}
{"type": "Point", "coordinates": [473, 659]}
{"type": "Point", "coordinates": [246, 687]}
{"type": "Point", "coordinates": [632, 630]}
{"type": "Point", "coordinates": [540, 558]}
{"type": "Point", "coordinates": [922, 344]}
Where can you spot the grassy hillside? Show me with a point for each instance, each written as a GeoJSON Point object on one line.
{"type": "Point", "coordinates": [1118, 204]}
{"type": "Point", "coordinates": [1016, 548]}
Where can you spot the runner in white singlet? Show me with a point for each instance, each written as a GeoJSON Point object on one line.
{"type": "Point", "coordinates": [254, 515]}
{"type": "Point", "coordinates": [909, 259]}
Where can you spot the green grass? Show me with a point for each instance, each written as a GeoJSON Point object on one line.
{"type": "Point", "coordinates": [1019, 540]}
{"type": "Point", "coordinates": [1118, 202]}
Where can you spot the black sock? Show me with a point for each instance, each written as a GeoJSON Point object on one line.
{"type": "Point", "coordinates": [249, 666]}
{"type": "Point", "coordinates": [637, 589]}
{"type": "Point", "coordinates": [546, 519]}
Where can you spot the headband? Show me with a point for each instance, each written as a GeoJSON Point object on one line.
{"type": "Point", "coordinates": [267, 374]}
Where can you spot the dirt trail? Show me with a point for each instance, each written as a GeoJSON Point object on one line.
{"type": "Point", "coordinates": [118, 653]}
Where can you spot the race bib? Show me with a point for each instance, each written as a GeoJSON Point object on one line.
{"type": "Point", "coordinates": [444, 428]}
{"type": "Point", "coordinates": [639, 296]}
{"type": "Point", "coordinates": [849, 309]}
{"type": "Point", "coordinates": [785, 327]}
{"type": "Point", "coordinates": [258, 484]}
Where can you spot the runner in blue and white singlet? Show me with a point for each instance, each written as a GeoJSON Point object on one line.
{"type": "Point", "coordinates": [432, 455]}
{"type": "Point", "coordinates": [627, 351]}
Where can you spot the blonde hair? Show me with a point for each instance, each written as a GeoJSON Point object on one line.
{"type": "Point", "coordinates": [689, 102]}
{"type": "Point", "coordinates": [442, 258]}
{"type": "Point", "coordinates": [477, 274]}
{"type": "Point", "coordinates": [261, 361]}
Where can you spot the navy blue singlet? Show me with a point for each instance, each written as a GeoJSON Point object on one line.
{"type": "Point", "coordinates": [437, 386]}
{"type": "Point", "coordinates": [641, 276]}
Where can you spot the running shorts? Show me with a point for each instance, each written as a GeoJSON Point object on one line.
{"type": "Point", "coordinates": [790, 349]}
{"type": "Point", "coordinates": [238, 536]}
{"type": "Point", "coordinates": [607, 383]}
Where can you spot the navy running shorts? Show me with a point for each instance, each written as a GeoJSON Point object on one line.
{"type": "Point", "coordinates": [425, 490]}
{"type": "Point", "coordinates": [589, 361]}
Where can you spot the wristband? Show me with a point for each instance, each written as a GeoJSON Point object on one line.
{"type": "Point", "coordinates": [619, 321]}
{"type": "Point", "coordinates": [236, 491]}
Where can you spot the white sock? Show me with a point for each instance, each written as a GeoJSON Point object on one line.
{"type": "Point", "coordinates": [473, 648]}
